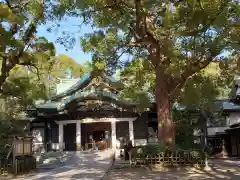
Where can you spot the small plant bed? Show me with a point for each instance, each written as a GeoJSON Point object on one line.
{"type": "Point", "coordinates": [153, 155]}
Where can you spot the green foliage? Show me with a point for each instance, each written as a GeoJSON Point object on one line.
{"type": "Point", "coordinates": [175, 39]}
{"type": "Point", "coordinates": [26, 60]}
{"type": "Point", "coordinates": [203, 90]}
{"type": "Point", "coordinates": [62, 62]}
{"type": "Point", "coordinates": [9, 129]}
{"type": "Point", "coordinates": [19, 45]}
{"type": "Point", "coordinates": [173, 28]}
{"type": "Point", "coordinates": [6, 14]}
{"type": "Point", "coordinates": [206, 87]}
{"type": "Point", "coordinates": [24, 86]}
{"type": "Point", "coordinates": [152, 150]}
{"type": "Point", "coordinates": [139, 83]}
{"type": "Point", "coordinates": [201, 93]}
{"type": "Point", "coordinates": [19, 91]}
{"type": "Point", "coordinates": [229, 70]}
{"type": "Point", "coordinates": [57, 69]}
{"type": "Point", "coordinates": [186, 122]}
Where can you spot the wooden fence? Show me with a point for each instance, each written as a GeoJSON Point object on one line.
{"type": "Point", "coordinates": [166, 159]}
{"type": "Point", "coordinates": [20, 158]}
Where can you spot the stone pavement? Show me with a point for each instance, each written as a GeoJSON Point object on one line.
{"type": "Point", "coordinates": [224, 169]}
{"type": "Point", "coordinates": [53, 160]}
{"type": "Point", "coordinates": [82, 165]}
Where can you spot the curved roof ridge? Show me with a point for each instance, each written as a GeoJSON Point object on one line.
{"type": "Point", "coordinates": [60, 105]}
{"type": "Point", "coordinates": [83, 82]}
{"type": "Point", "coordinates": [79, 85]}
{"type": "Point", "coordinates": [100, 93]}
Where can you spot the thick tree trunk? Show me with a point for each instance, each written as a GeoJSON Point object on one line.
{"type": "Point", "coordinates": [166, 128]}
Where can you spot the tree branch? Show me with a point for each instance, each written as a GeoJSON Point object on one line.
{"type": "Point", "coordinates": [4, 69]}
{"type": "Point", "coordinates": [115, 5]}
{"type": "Point", "coordinates": [8, 4]}
{"type": "Point", "coordinates": [142, 25]}
{"type": "Point", "coordinates": [144, 30]}
{"type": "Point", "coordinates": [209, 22]}
{"type": "Point", "coordinates": [14, 26]}
{"type": "Point", "coordinates": [200, 5]}
{"type": "Point", "coordinates": [197, 64]}
{"type": "Point", "coordinates": [20, 5]}
{"type": "Point", "coordinates": [134, 44]}
{"type": "Point", "coordinates": [191, 69]}
{"type": "Point", "coordinates": [13, 59]}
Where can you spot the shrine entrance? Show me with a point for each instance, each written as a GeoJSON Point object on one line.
{"type": "Point", "coordinates": [70, 137]}
{"type": "Point", "coordinates": [97, 135]}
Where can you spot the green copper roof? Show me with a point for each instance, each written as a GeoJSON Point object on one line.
{"type": "Point", "coordinates": [84, 81]}
{"type": "Point", "coordinates": [79, 85]}
{"type": "Point", "coordinates": [230, 106]}
{"type": "Point", "coordinates": [78, 92]}
{"type": "Point", "coordinates": [80, 96]}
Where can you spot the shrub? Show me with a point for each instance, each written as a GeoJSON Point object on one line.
{"type": "Point", "coordinates": [154, 150]}
{"type": "Point", "coordinates": [151, 149]}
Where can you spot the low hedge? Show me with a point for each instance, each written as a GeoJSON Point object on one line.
{"type": "Point", "coordinates": [156, 151]}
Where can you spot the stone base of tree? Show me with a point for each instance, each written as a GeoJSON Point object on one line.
{"type": "Point", "coordinates": [207, 168]}
{"type": "Point", "coordinates": [224, 154]}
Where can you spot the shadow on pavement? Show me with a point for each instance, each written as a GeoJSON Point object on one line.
{"type": "Point", "coordinates": [221, 169]}
{"type": "Point", "coordinates": [82, 165]}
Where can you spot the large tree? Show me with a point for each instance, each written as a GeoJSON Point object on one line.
{"type": "Point", "coordinates": [207, 86]}
{"type": "Point", "coordinates": [176, 39]}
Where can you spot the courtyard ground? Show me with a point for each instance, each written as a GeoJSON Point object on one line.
{"type": "Point", "coordinates": [82, 165]}
{"type": "Point", "coordinates": [93, 166]}
{"type": "Point", "coordinates": [221, 169]}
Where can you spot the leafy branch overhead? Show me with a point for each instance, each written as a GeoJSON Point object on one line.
{"type": "Point", "coordinates": [19, 44]}
{"type": "Point", "coordinates": [180, 37]}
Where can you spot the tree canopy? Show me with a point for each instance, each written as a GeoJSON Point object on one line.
{"type": "Point", "coordinates": [176, 39]}
{"type": "Point", "coordinates": [19, 43]}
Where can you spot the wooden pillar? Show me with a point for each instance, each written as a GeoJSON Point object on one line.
{"type": "Point", "coordinates": [113, 134]}
{"type": "Point", "coordinates": [60, 136]}
{"type": "Point", "coordinates": [78, 136]}
{"type": "Point", "coordinates": [131, 131]}
{"type": "Point", "coordinates": [46, 136]}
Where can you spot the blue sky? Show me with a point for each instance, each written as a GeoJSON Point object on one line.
{"type": "Point", "coordinates": [76, 30]}
{"type": "Point", "coordinates": [71, 25]}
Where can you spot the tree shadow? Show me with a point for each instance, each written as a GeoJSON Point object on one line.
{"type": "Point", "coordinates": [221, 169]}
{"type": "Point", "coordinates": [82, 165]}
